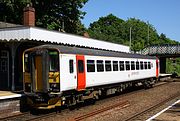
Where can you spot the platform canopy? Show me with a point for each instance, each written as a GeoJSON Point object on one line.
{"type": "Point", "coordinates": [39, 34]}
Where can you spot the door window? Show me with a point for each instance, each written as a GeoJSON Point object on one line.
{"type": "Point", "coordinates": [80, 66]}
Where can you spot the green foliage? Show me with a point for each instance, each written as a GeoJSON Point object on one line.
{"type": "Point", "coordinates": [50, 14]}
{"type": "Point", "coordinates": [173, 66]}
{"type": "Point", "coordinates": [107, 28]}
{"type": "Point", "coordinates": [114, 29]}
{"type": "Point", "coordinates": [164, 40]}
{"type": "Point", "coordinates": [140, 32]}
{"type": "Point", "coordinates": [12, 10]}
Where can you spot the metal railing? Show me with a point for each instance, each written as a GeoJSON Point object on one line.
{"type": "Point", "coordinates": [162, 50]}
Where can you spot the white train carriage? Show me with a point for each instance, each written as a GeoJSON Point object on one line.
{"type": "Point", "coordinates": [60, 75]}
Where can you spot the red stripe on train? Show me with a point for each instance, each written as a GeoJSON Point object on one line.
{"type": "Point", "coordinates": [157, 68]}
{"type": "Point", "coordinates": [81, 75]}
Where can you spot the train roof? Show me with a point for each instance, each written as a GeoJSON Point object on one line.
{"type": "Point", "coordinates": [94, 52]}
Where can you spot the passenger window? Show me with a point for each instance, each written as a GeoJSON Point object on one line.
{"type": "Point", "coordinates": [145, 65]}
{"type": "Point", "coordinates": [108, 65]}
{"type": "Point", "coordinates": [71, 66]}
{"type": "Point", "coordinates": [141, 65]}
{"type": "Point", "coordinates": [80, 66]}
{"type": "Point", "coordinates": [100, 65]}
{"type": "Point", "coordinates": [149, 65]}
{"type": "Point", "coordinates": [137, 65]}
{"type": "Point", "coordinates": [132, 65]}
{"type": "Point", "coordinates": [121, 64]}
{"type": "Point", "coordinates": [127, 65]}
{"type": "Point", "coordinates": [90, 66]}
{"type": "Point", "coordinates": [115, 65]}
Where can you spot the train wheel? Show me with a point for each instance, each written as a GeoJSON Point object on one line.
{"type": "Point", "coordinates": [24, 107]}
{"type": "Point", "coordinates": [148, 83]}
{"type": "Point", "coordinates": [34, 111]}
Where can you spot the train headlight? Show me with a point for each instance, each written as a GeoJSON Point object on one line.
{"type": "Point", "coordinates": [27, 87]}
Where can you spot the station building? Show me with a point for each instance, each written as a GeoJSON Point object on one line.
{"type": "Point", "coordinates": [14, 39]}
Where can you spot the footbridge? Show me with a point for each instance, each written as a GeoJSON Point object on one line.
{"type": "Point", "coordinates": [163, 52]}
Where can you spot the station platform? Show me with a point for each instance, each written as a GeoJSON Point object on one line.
{"type": "Point", "coordinates": [9, 103]}
{"type": "Point", "coordinates": [171, 113]}
{"type": "Point", "coordinates": [164, 75]}
{"type": "Point", "coordinates": [8, 95]}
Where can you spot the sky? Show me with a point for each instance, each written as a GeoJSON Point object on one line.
{"type": "Point", "coordinates": [164, 15]}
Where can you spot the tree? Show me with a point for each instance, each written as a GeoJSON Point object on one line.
{"type": "Point", "coordinates": [107, 28]}
{"type": "Point", "coordinates": [12, 10]}
{"type": "Point", "coordinates": [164, 40]}
{"type": "Point", "coordinates": [114, 29]}
{"type": "Point", "coordinates": [143, 34]}
{"type": "Point", "coordinates": [50, 14]}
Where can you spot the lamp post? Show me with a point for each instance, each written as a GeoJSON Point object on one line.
{"type": "Point", "coordinates": [130, 39]}
{"type": "Point", "coordinates": [148, 34]}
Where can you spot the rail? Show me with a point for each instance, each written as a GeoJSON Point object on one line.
{"type": "Point", "coordinates": [151, 108]}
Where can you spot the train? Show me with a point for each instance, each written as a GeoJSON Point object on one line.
{"type": "Point", "coordinates": [58, 75]}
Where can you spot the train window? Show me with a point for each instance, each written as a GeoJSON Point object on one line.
{"type": "Point", "coordinates": [80, 66]}
{"type": "Point", "coordinates": [149, 65]}
{"type": "Point", "coordinates": [90, 66]}
{"type": "Point", "coordinates": [132, 65]}
{"type": "Point", "coordinates": [71, 66]}
{"type": "Point", "coordinates": [141, 65]}
{"type": "Point", "coordinates": [115, 65]}
{"type": "Point", "coordinates": [145, 65]}
{"type": "Point", "coordinates": [127, 65]}
{"type": "Point", "coordinates": [121, 64]}
{"type": "Point", "coordinates": [137, 65]}
{"type": "Point", "coordinates": [53, 61]}
{"type": "Point", "coordinates": [100, 65]}
{"type": "Point", "coordinates": [108, 65]}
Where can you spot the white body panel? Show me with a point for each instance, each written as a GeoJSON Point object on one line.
{"type": "Point", "coordinates": [103, 78]}
{"type": "Point", "coordinates": [68, 80]}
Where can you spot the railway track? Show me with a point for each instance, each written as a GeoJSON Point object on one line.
{"type": "Point", "coordinates": [96, 112]}
{"type": "Point", "coordinates": [121, 105]}
{"type": "Point", "coordinates": [28, 116]}
{"type": "Point", "coordinates": [147, 112]}
{"type": "Point", "coordinates": [15, 117]}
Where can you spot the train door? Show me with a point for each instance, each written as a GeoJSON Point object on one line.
{"type": "Point", "coordinates": [157, 68]}
{"type": "Point", "coordinates": [4, 70]}
{"type": "Point", "coordinates": [39, 71]}
{"type": "Point", "coordinates": [68, 72]}
{"type": "Point", "coordinates": [81, 75]}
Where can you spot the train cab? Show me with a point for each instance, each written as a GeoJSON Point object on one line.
{"type": "Point", "coordinates": [42, 76]}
